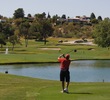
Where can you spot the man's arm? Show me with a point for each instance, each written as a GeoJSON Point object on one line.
{"type": "Point", "coordinates": [61, 56]}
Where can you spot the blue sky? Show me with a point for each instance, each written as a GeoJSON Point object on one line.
{"type": "Point", "coordinates": [70, 8]}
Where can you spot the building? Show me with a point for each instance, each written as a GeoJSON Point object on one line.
{"type": "Point", "coordinates": [79, 19]}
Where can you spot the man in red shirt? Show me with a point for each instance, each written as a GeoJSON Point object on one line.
{"type": "Point", "coordinates": [64, 72]}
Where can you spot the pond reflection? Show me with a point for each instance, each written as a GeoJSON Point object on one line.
{"type": "Point", "coordinates": [81, 71]}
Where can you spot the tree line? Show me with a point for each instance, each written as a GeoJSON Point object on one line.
{"type": "Point", "coordinates": [42, 26]}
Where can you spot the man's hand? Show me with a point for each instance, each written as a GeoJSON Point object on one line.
{"type": "Point", "coordinates": [63, 55]}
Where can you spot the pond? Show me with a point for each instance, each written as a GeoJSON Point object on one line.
{"type": "Point", "coordinates": [80, 71]}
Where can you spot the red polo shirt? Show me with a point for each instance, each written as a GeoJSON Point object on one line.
{"type": "Point", "coordinates": [64, 63]}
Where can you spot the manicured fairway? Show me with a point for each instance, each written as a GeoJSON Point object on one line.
{"type": "Point", "coordinates": [37, 52]}
{"type": "Point", "coordinates": [25, 88]}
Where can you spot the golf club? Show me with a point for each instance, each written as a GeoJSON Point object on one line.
{"type": "Point", "coordinates": [69, 52]}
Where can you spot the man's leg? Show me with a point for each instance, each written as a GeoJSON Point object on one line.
{"type": "Point", "coordinates": [67, 85]}
{"type": "Point", "coordinates": [62, 80]}
{"type": "Point", "coordinates": [67, 81]}
{"type": "Point", "coordinates": [63, 85]}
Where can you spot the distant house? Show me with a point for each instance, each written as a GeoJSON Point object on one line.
{"type": "Point", "coordinates": [2, 20]}
{"type": "Point", "coordinates": [30, 19]}
{"type": "Point", "coordinates": [61, 20]}
{"type": "Point", "coordinates": [78, 19]}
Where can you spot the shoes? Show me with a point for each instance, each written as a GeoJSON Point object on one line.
{"type": "Point", "coordinates": [65, 91]}
{"type": "Point", "coordinates": [62, 91]}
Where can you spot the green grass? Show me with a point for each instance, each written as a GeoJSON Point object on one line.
{"type": "Point", "coordinates": [34, 52]}
{"type": "Point", "coordinates": [24, 88]}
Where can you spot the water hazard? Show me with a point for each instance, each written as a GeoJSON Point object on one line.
{"type": "Point", "coordinates": [80, 71]}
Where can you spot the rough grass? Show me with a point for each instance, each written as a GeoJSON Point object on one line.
{"type": "Point", "coordinates": [24, 88]}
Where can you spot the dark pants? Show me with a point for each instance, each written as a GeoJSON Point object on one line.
{"type": "Point", "coordinates": [65, 76]}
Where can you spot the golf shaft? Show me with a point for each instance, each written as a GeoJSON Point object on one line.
{"type": "Point", "coordinates": [69, 51]}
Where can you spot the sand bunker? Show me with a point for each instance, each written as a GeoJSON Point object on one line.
{"type": "Point", "coordinates": [50, 48]}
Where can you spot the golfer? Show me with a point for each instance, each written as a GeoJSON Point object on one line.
{"type": "Point", "coordinates": [64, 71]}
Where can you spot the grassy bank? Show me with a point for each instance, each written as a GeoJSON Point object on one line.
{"type": "Point", "coordinates": [38, 52]}
{"type": "Point", "coordinates": [23, 88]}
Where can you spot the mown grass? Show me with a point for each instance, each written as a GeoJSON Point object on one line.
{"type": "Point", "coordinates": [34, 53]}
{"type": "Point", "coordinates": [24, 88]}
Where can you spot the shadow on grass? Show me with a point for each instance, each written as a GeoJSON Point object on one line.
{"type": "Point", "coordinates": [79, 93]}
